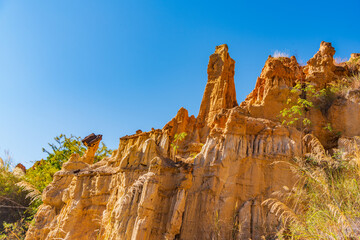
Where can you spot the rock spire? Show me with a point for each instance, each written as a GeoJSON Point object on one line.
{"type": "Point", "coordinates": [220, 88]}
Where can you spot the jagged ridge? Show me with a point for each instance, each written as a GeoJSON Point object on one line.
{"type": "Point", "coordinates": [141, 192]}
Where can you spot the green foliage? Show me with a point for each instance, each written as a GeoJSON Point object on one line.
{"type": "Point", "coordinates": [62, 149]}
{"type": "Point", "coordinates": [328, 127]}
{"type": "Point", "coordinates": [326, 96]}
{"type": "Point", "coordinates": [309, 97]}
{"type": "Point", "coordinates": [21, 196]}
{"type": "Point", "coordinates": [15, 231]}
{"type": "Point", "coordinates": [296, 110]}
{"type": "Point", "coordinates": [325, 202]}
{"type": "Point", "coordinates": [13, 203]}
{"type": "Point", "coordinates": [41, 174]}
{"type": "Point", "coordinates": [8, 186]}
{"type": "Point", "coordinates": [177, 139]}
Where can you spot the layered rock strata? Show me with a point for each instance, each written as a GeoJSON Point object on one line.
{"type": "Point", "coordinates": [223, 170]}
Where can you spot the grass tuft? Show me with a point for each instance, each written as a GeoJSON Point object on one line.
{"type": "Point", "coordinates": [325, 202]}
{"type": "Point", "coordinates": [278, 54]}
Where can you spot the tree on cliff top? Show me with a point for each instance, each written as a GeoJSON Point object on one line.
{"type": "Point", "coordinates": [42, 172]}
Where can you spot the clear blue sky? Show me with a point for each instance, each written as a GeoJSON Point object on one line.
{"type": "Point", "coordinates": [112, 67]}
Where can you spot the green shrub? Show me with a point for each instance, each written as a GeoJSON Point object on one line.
{"type": "Point", "coordinates": [296, 110]}
{"type": "Point", "coordinates": [14, 205]}
{"type": "Point", "coordinates": [41, 174]}
{"type": "Point", "coordinates": [309, 97]}
{"type": "Point", "coordinates": [15, 231]}
{"type": "Point", "coordinates": [20, 197]}
{"type": "Point", "coordinates": [178, 138]}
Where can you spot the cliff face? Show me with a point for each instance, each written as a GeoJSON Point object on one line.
{"type": "Point", "coordinates": [214, 186]}
{"type": "Point", "coordinates": [273, 87]}
{"type": "Point", "coordinates": [220, 88]}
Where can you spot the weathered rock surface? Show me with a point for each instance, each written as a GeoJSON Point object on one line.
{"type": "Point", "coordinates": [220, 88]}
{"type": "Point", "coordinates": [19, 170]}
{"type": "Point", "coordinates": [223, 170]}
{"type": "Point", "coordinates": [273, 87]}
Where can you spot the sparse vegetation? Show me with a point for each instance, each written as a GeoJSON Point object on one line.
{"type": "Point", "coordinates": [15, 231]}
{"type": "Point", "coordinates": [20, 197]}
{"type": "Point", "coordinates": [297, 110]}
{"type": "Point", "coordinates": [14, 206]}
{"type": "Point", "coordinates": [339, 60]}
{"type": "Point", "coordinates": [348, 84]}
{"type": "Point", "coordinates": [278, 54]}
{"type": "Point", "coordinates": [325, 202]}
{"type": "Point", "coordinates": [309, 97]}
{"type": "Point", "coordinates": [354, 60]}
{"type": "Point", "coordinates": [41, 174]}
{"type": "Point", "coordinates": [179, 137]}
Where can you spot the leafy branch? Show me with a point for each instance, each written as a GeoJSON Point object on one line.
{"type": "Point", "coordinates": [179, 137]}
{"type": "Point", "coordinates": [296, 110]}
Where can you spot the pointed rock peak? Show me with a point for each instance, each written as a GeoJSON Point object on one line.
{"type": "Point", "coordinates": [181, 118]}
{"type": "Point", "coordinates": [277, 74]}
{"type": "Point", "coordinates": [220, 88]}
{"type": "Point", "coordinates": [221, 49]}
{"type": "Point", "coordinates": [324, 55]}
{"type": "Point", "coordinates": [326, 48]}
{"type": "Point", "coordinates": [181, 114]}
{"type": "Point", "coordinates": [281, 67]}
{"type": "Point", "coordinates": [320, 68]}
{"type": "Point", "coordinates": [180, 123]}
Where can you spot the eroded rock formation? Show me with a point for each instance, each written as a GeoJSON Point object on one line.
{"type": "Point", "coordinates": [273, 87]}
{"type": "Point", "coordinates": [223, 170]}
{"type": "Point", "coordinates": [220, 88]}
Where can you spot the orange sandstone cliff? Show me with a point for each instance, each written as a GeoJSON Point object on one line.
{"type": "Point", "coordinates": [223, 170]}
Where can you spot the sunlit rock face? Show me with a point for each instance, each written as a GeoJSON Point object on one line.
{"type": "Point", "coordinates": [214, 186]}
{"type": "Point", "coordinates": [220, 88]}
{"type": "Point", "coordinates": [273, 87]}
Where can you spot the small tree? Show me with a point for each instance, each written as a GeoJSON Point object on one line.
{"type": "Point", "coordinates": [177, 139]}
{"type": "Point", "coordinates": [41, 174]}
{"type": "Point", "coordinates": [307, 98]}
{"type": "Point", "coordinates": [21, 196]}
{"type": "Point", "coordinates": [296, 112]}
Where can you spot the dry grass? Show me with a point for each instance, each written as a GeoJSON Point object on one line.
{"type": "Point", "coordinates": [354, 81]}
{"type": "Point", "coordinates": [32, 193]}
{"type": "Point", "coordinates": [340, 61]}
{"type": "Point", "coordinates": [278, 54]}
{"type": "Point", "coordinates": [325, 202]}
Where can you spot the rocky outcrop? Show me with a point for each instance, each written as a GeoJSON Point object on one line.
{"type": "Point", "coordinates": [340, 110]}
{"type": "Point", "coordinates": [220, 88]}
{"type": "Point", "coordinates": [19, 170]}
{"type": "Point", "coordinates": [213, 186]}
{"type": "Point", "coordinates": [273, 87]}
{"type": "Point", "coordinates": [320, 69]}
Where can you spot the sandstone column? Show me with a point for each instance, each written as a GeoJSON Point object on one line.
{"type": "Point", "coordinates": [220, 88]}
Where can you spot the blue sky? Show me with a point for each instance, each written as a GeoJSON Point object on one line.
{"type": "Point", "coordinates": [112, 67]}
